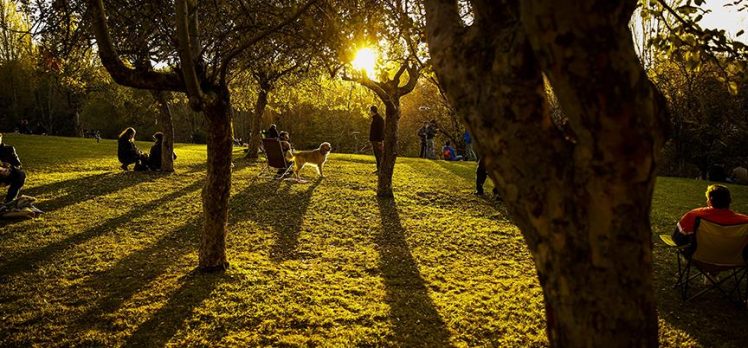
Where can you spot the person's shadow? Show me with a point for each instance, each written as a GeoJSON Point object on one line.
{"type": "Point", "coordinates": [412, 313]}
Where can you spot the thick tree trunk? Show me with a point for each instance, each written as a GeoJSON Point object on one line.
{"type": "Point", "coordinates": [581, 198]}
{"type": "Point", "coordinates": [167, 127]}
{"type": "Point", "coordinates": [217, 187]}
{"type": "Point", "coordinates": [256, 116]}
{"type": "Point", "coordinates": [387, 167]}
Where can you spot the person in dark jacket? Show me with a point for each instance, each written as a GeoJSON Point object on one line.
{"type": "Point", "coordinates": [422, 137]}
{"type": "Point", "coordinates": [376, 135]}
{"type": "Point", "coordinates": [10, 171]}
{"type": "Point", "coordinates": [127, 152]}
{"type": "Point", "coordinates": [430, 135]}
{"type": "Point", "coordinates": [272, 132]}
{"type": "Point", "coordinates": [154, 157]}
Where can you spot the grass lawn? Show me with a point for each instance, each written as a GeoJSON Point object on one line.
{"type": "Point", "coordinates": [318, 264]}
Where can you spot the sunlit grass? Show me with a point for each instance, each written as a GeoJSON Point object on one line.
{"type": "Point", "coordinates": [323, 263]}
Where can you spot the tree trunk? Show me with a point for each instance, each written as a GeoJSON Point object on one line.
{"type": "Point", "coordinates": [217, 187]}
{"type": "Point", "coordinates": [581, 199]}
{"type": "Point", "coordinates": [256, 116]}
{"type": "Point", "coordinates": [387, 167]}
{"type": "Point", "coordinates": [167, 127]}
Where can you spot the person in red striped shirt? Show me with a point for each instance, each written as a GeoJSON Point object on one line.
{"type": "Point", "coordinates": [717, 211]}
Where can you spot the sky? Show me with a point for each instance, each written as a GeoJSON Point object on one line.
{"type": "Point", "coordinates": [726, 18]}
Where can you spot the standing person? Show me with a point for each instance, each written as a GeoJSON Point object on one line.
{"type": "Point", "coordinates": [469, 153]}
{"type": "Point", "coordinates": [10, 170]}
{"type": "Point", "coordinates": [97, 135]}
{"type": "Point", "coordinates": [480, 178]}
{"type": "Point", "coordinates": [422, 138]}
{"type": "Point", "coordinates": [154, 157]}
{"type": "Point", "coordinates": [376, 135]}
{"type": "Point", "coordinates": [430, 135]}
{"type": "Point", "coordinates": [127, 152]}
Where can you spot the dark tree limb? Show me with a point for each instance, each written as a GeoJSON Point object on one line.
{"type": "Point", "coordinates": [122, 74]}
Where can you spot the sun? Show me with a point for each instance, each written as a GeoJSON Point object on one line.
{"type": "Point", "coordinates": [365, 60]}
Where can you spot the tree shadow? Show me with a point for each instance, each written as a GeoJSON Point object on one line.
{"type": "Point", "coordinates": [85, 188]}
{"type": "Point", "coordinates": [271, 204]}
{"type": "Point", "coordinates": [132, 273]}
{"type": "Point", "coordinates": [26, 262]}
{"type": "Point", "coordinates": [412, 313]}
{"type": "Point", "coordinates": [195, 288]}
{"type": "Point", "coordinates": [467, 173]}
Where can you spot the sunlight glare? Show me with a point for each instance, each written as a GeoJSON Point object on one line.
{"type": "Point", "coordinates": [365, 60]}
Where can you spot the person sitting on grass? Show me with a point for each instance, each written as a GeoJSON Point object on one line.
{"type": "Point", "coordinates": [154, 157]}
{"type": "Point", "coordinates": [449, 153]}
{"type": "Point", "coordinates": [127, 152]}
{"type": "Point", "coordinates": [10, 171]}
{"type": "Point", "coordinates": [717, 210]}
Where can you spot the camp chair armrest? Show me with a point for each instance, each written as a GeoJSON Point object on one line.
{"type": "Point", "coordinates": [668, 240]}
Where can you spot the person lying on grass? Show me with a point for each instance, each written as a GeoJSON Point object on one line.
{"type": "Point", "coordinates": [717, 210]}
{"type": "Point", "coordinates": [10, 171]}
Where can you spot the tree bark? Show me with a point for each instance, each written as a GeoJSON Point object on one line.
{"type": "Point", "coordinates": [167, 127]}
{"type": "Point", "coordinates": [387, 167]}
{"type": "Point", "coordinates": [217, 187]}
{"type": "Point", "coordinates": [580, 198]}
{"type": "Point", "coordinates": [256, 138]}
{"type": "Point", "coordinates": [389, 93]}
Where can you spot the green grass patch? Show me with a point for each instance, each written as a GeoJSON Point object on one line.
{"type": "Point", "coordinates": [323, 263]}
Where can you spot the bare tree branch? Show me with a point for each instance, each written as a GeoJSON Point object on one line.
{"type": "Point", "coordinates": [122, 74]}
{"type": "Point", "coordinates": [226, 61]}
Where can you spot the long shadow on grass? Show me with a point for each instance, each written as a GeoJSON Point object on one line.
{"type": "Point", "coordinates": [413, 316]}
{"type": "Point", "coordinates": [133, 272]}
{"type": "Point", "coordinates": [282, 210]}
{"type": "Point", "coordinates": [81, 189]}
{"type": "Point", "coordinates": [161, 327]}
{"type": "Point", "coordinates": [29, 260]}
{"type": "Point", "coordinates": [468, 173]}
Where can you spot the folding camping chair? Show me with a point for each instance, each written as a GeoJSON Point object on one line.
{"type": "Point", "coordinates": [717, 249]}
{"type": "Point", "coordinates": [275, 158]}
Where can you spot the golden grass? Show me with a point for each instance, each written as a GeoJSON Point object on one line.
{"type": "Point", "coordinates": [317, 264]}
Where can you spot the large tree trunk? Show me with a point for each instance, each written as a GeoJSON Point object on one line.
{"type": "Point", "coordinates": [167, 127]}
{"type": "Point", "coordinates": [581, 198]}
{"type": "Point", "coordinates": [217, 187]}
{"type": "Point", "coordinates": [387, 167]}
{"type": "Point", "coordinates": [256, 116]}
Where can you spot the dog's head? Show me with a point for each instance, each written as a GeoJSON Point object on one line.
{"type": "Point", "coordinates": [325, 148]}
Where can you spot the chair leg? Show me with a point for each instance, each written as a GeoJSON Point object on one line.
{"type": "Point", "coordinates": [686, 280]}
{"type": "Point", "coordinates": [678, 256]}
{"type": "Point", "coordinates": [280, 177]}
